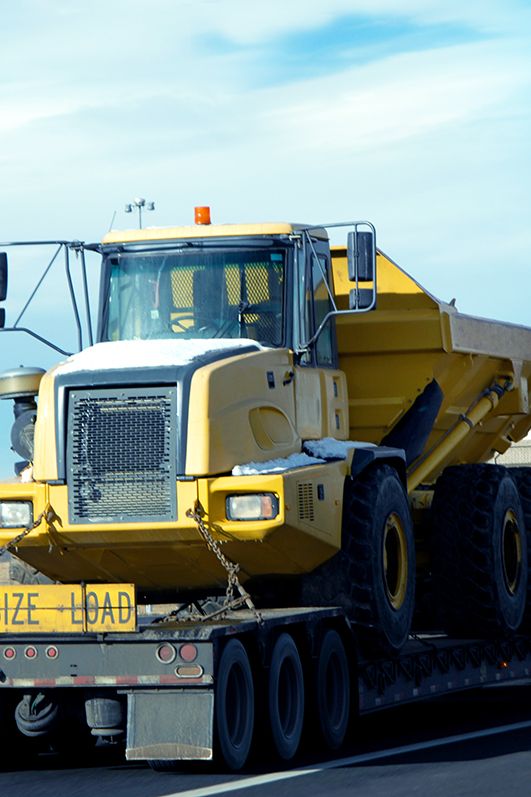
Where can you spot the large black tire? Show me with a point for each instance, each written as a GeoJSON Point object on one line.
{"type": "Point", "coordinates": [22, 573]}
{"type": "Point", "coordinates": [285, 695]}
{"type": "Point", "coordinates": [522, 478]}
{"type": "Point", "coordinates": [332, 690]}
{"type": "Point", "coordinates": [373, 576]}
{"type": "Point", "coordinates": [479, 551]}
{"type": "Point", "coordinates": [234, 706]}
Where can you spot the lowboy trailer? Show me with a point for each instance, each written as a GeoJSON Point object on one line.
{"type": "Point", "coordinates": [174, 691]}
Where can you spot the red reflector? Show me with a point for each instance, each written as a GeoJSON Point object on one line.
{"type": "Point", "coordinates": [30, 652]}
{"type": "Point", "coordinates": [52, 652]}
{"type": "Point", "coordinates": [166, 653]}
{"type": "Point", "coordinates": [188, 652]}
{"type": "Point", "coordinates": [10, 653]}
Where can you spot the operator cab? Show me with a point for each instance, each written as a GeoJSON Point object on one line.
{"type": "Point", "coordinates": [270, 283]}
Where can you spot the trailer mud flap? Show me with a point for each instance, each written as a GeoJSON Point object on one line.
{"type": "Point", "coordinates": [175, 725]}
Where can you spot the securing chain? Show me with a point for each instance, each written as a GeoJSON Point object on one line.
{"type": "Point", "coordinates": [231, 568]}
{"type": "Point", "coordinates": [48, 514]}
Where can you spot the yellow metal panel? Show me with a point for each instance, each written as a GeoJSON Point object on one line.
{"type": "Point", "coordinates": [197, 231]}
{"type": "Point", "coordinates": [67, 608]}
{"type": "Point", "coordinates": [45, 459]}
{"type": "Point", "coordinates": [234, 415]}
{"type": "Point", "coordinates": [174, 556]}
{"type": "Point", "coordinates": [392, 353]}
{"type": "Point", "coordinates": [321, 403]}
{"type": "Point", "coordinates": [309, 403]}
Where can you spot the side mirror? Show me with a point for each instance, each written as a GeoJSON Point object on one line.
{"type": "Point", "coordinates": [361, 299]}
{"type": "Point", "coordinates": [361, 256]}
{"type": "Point", "coordinates": [3, 276]}
{"type": "Point", "coordinates": [3, 287]}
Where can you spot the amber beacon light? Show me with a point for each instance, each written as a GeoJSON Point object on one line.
{"type": "Point", "coordinates": [202, 215]}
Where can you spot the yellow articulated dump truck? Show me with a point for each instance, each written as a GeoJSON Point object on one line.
{"type": "Point", "coordinates": [254, 493]}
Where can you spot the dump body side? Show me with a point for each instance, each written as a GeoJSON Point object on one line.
{"type": "Point", "coordinates": [411, 339]}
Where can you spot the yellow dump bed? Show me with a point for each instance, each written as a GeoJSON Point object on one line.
{"type": "Point", "coordinates": [390, 355]}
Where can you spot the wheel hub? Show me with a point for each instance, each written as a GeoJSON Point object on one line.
{"type": "Point", "coordinates": [395, 561]}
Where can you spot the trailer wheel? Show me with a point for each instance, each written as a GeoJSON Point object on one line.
{"type": "Point", "coordinates": [234, 705]}
{"type": "Point", "coordinates": [479, 551]}
{"type": "Point", "coordinates": [286, 697]}
{"type": "Point", "coordinates": [332, 690]}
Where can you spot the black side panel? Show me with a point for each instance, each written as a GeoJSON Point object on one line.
{"type": "Point", "coordinates": [413, 429]}
{"type": "Point", "coordinates": [363, 457]}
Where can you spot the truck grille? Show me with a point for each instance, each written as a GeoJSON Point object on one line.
{"type": "Point", "coordinates": [121, 455]}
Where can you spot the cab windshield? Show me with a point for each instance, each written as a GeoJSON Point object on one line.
{"type": "Point", "coordinates": [195, 294]}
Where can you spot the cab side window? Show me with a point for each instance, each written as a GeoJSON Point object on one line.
{"type": "Point", "coordinates": [322, 305]}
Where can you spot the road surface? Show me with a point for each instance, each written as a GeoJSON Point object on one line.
{"type": "Point", "coordinates": [467, 745]}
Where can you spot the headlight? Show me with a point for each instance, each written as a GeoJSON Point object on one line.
{"type": "Point", "coordinates": [16, 514]}
{"type": "Point", "coordinates": [263, 506]}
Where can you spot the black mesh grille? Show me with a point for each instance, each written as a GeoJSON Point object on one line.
{"type": "Point", "coordinates": [121, 455]}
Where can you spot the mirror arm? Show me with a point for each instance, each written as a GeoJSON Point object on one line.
{"type": "Point", "coordinates": [38, 285]}
{"type": "Point", "coordinates": [37, 337]}
{"type": "Point", "coordinates": [73, 299]}
{"type": "Point", "coordinates": [81, 254]}
{"type": "Point", "coordinates": [325, 279]}
{"type": "Point", "coordinates": [332, 314]}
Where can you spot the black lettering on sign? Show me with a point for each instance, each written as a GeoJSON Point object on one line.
{"type": "Point", "coordinates": [75, 611]}
{"type": "Point", "coordinates": [32, 607]}
{"type": "Point", "coordinates": [93, 608]}
{"type": "Point", "coordinates": [19, 596]}
{"type": "Point", "coordinates": [18, 608]}
{"type": "Point", "coordinates": [107, 612]}
{"type": "Point", "coordinates": [125, 609]}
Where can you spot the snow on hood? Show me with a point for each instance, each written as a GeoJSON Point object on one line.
{"type": "Point", "coordinates": [276, 465]}
{"type": "Point", "coordinates": [318, 452]}
{"type": "Point", "coordinates": [329, 448]}
{"type": "Point", "coordinates": [149, 353]}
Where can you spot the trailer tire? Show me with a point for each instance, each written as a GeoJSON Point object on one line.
{"type": "Point", "coordinates": [479, 551]}
{"type": "Point", "coordinates": [285, 697]}
{"type": "Point", "coordinates": [332, 689]}
{"type": "Point", "coordinates": [234, 705]}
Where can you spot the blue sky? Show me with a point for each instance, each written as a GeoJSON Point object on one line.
{"type": "Point", "coordinates": [416, 115]}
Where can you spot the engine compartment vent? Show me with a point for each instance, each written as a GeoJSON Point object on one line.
{"type": "Point", "coordinates": [305, 501]}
